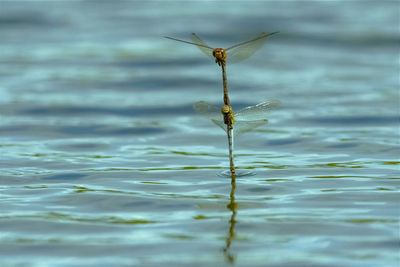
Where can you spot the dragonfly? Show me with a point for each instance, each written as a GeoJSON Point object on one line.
{"type": "Point", "coordinates": [245, 120]}
{"type": "Point", "coordinates": [237, 53]}
{"type": "Point", "coordinates": [234, 53]}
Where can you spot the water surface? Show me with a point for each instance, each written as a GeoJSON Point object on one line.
{"type": "Point", "coordinates": [104, 162]}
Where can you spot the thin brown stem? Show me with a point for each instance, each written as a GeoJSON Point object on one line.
{"type": "Point", "coordinates": [230, 143]}
{"type": "Point", "coordinates": [228, 119]}
{"type": "Point", "coordinates": [225, 84]}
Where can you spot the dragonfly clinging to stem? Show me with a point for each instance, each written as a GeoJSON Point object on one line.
{"type": "Point", "coordinates": [237, 52]}
{"type": "Point", "coordinates": [244, 120]}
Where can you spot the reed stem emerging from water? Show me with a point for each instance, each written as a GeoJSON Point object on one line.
{"type": "Point", "coordinates": [228, 118]}
{"type": "Point", "coordinates": [238, 52]}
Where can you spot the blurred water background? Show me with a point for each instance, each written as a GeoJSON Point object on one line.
{"type": "Point", "coordinates": [103, 161]}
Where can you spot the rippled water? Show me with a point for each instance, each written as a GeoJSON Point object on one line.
{"type": "Point", "coordinates": [103, 162]}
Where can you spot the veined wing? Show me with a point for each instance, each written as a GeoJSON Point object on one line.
{"type": "Point", "coordinates": [210, 111]}
{"type": "Point", "coordinates": [205, 48]}
{"type": "Point", "coordinates": [241, 51]}
{"type": "Point", "coordinates": [246, 126]}
{"type": "Point", "coordinates": [252, 117]}
{"type": "Point", "coordinates": [246, 119]}
{"type": "Point", "coordinates": [257, 112]}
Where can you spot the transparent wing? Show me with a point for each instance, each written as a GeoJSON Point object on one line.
{"type": "Point", "coordinates": [246, 126]}
{"type": "Point", "coordinates": [210, 111]}
{"type": "Point", "coordinates": [241, 51]}
{"type": "Point", "coordinates": [220, 123]}
{"type": "Point", "coordinates": [205, 48]}
{"type": "Point", "coordinates": [246, 119]}
{"type": "Point", "coordinates": [257, 112]}
{"type": "Point", "coordinates": [207, 110]}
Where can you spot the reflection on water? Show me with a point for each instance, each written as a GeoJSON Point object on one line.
{"type": "Point", "coordinates": [238, 173]}
{"type": "Point", "coordinates": [232, 206]}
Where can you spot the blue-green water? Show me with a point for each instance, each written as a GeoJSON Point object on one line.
{"type": "Point", "coordinates": [104, 163]}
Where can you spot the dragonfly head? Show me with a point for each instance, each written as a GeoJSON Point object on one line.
{"type": "Point", "coordinates": [219, 55]}
{"type": "Point", "coordinates": [227, 111]}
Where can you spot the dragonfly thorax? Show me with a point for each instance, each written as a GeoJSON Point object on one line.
{"type": "Point", "coordinates": [219, 55]}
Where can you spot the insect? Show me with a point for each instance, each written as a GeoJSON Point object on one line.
{"type": "Point", "coordinates": [234, 53]}
{"type": "Point", "coordinates": [245, 120]}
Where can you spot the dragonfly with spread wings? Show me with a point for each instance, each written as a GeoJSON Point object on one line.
{"type": "Point", "coordinates": [245, 120]}
{"type": "Point", "coordinates": [234, 53]}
